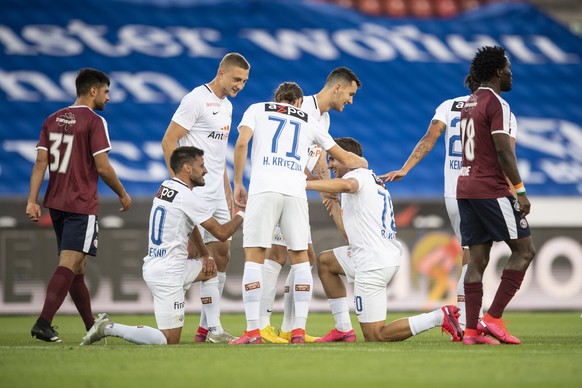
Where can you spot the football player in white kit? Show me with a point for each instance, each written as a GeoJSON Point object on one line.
{"type": "Point", "coordinates": [339, 90]}
{"type": "Point", "coordinates": [369, 261]}
{"type": "Point", "coordinates": [203, 120]}
{"type": "Point", "coordinates": [167, 269]}
{"type": "Point", "coordinates": [447, 119]}
{"type": "Point", "coordinates": [282, 134]}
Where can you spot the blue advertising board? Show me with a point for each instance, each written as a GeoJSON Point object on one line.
{"type": "Point", "coordinates": [155, 52]}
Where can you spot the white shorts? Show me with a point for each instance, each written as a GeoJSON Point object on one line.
{"type": "Point", "coordinates": [455, 216]}
{"type": "Point", "coordinates": [265, 210]}
{"type": "Point", "coordinates": [220, 211]}
{"type": "Point", "coordinates": [370, 299]}
{"type": "Point", "coordinates": [279, 239]}
{"type": "Point", "coordinates": [169, 290]}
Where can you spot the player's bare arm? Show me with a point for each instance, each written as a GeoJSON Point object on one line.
{"type": "Point", "coordinates": [508, 163]}
{"type": "Point", "coordinates": [196, 246]}
{"type": "Point", "coordinates": [223, 231]}
{"type": "Point", "coordinates": [107, 173]}
{"type": "Point", "coordinates": [335, 212]}
{"type": "Point", "coordinates": [240, 158]}
{"type": "Point", "coordinates": [334, 186]}
{"type": "Point", "coordinates": [320, 170]}
{"type": "Point", "coordinates": [422, 148]}
{"type": "Point", "coordinates": [33, 210]}
{"type": "Point", "coordinates": [173, 134]}
{"type": "Point", "coordinates": [346, 158]}
{"type": "Point", "coordinates": [228, 191]}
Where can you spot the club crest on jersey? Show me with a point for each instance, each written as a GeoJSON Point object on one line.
{"type": "Point", "coordinates": [286, 110]}
{"type": "Point", "coordinates": [166, 194]}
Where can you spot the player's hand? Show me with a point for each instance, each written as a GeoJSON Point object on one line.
{"type": "Point", "coordinates": [240, 196]}
{"type": "Point", "coordinates": [33, 211]}
{"type": "Point", "coordinates": [125, 201]}
{"type": "Point", "coordinates": [208, 265]}
{"type": "Point", "coordinates": [524, 205]}
{"type": "Point", "coordinates": [329, 204]}
{"type": "Point", "coordinates": [393, 176]}
{"type": "Point", "coordinates": [333, 197]}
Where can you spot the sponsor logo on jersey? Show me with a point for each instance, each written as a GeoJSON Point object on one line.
{"type": "Point", "coordinates": [286, 110]}
{"type": "Point", "coordinates": [221, 134]}
{"type": "Point", "coordinates": [217, 104]}
{"type": "Point", "coordinates": [66, 121]}
{"type": "Point", "coordinates": [523, 223]}
{"type": "Point", "coordinates": [252, 286]}
{"type": "Point", "coordinates": [166, 194]}
{"type": "Point", "coordinates": [457, 106]}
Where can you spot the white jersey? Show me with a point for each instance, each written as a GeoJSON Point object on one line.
{"type": "Point", "coordinates": [368, 219]}
{"type": "Point", "coordinates": [312, 109]}
{"type": "Point", "coordinates": [175, 211]}
{"type": "Point", "coordinates": [282, 135]}
{"type": "Point", "coordinates": [449, 112]}
{"type": "Point", "coordinates": [207, 119]}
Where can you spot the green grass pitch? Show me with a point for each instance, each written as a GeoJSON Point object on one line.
{"type": "Point", "coordinates": [550, 356]}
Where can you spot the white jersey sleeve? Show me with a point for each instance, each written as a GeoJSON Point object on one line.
{"type": "Point", "coordinates": [311, 107]}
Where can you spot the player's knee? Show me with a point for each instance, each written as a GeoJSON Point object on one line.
{"type": "Point", "coordinates": [324, 261]}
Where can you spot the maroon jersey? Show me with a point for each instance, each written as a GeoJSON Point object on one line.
{"type": "Point", "coordinates": [72, 136]}
{"type": "Point", "coordinates": [484, 114]}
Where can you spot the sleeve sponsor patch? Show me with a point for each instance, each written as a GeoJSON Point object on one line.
{"type": "Point", "coordinates": [166, 194]}
{"type": "Point", "coordinates": [457, 106]}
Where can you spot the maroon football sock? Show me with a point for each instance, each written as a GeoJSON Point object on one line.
{"type": "Point", "coordinates": [473, 302]}
{"type": "Point", "coordinates": [56, 292]}
{"type": "Point", "coordinates": [510, 282]}
{"type": "Point", "coordinates": [80, 295]}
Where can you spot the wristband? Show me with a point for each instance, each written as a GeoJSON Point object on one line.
{"type": "Point", "coordinates": [241, 214]}
{"type": "Point", "coordinates": [519, 188]}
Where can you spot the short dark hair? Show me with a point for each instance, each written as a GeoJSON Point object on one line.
{"type": "Point", "coordinates": [88, 78]}
{"type": "Point", "coordinates": [487, 61]}
{"type": "Point", "coordinates": [349, 144]}
{"type": "Point", "coordinates": [471, 83]}
{"type": "Point", "coordinates": [342, 74]}
{"type": "Point", "coordinates": [234, 59]}
{"type": "Point", "coordinates": [288, 91]}
{"type": "Point", "coordinates": [183, 155]}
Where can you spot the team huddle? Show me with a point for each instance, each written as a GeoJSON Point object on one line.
{"type": "Point", "coordinates": [196, 211]}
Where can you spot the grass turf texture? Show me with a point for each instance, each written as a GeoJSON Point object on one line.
{"type": "Point", "coordinates": [550, 355]}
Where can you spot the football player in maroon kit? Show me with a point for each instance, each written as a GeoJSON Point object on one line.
{"type": "Point", "coordinates": [489, 212]}
{"type": "Point", "coordinates": [73, 144]}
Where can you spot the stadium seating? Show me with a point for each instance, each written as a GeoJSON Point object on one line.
{"type": "Point", "coordinates": [421, 9]}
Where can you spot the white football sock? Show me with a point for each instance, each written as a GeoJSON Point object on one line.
{"type": "Point", "coordinates": [461, 298]}
{"type": "Point", "coordinates": [288, 306]}
{"type": "Point", "coordinates": [426, 321]}
{"type": "Point", "coordinates": [252, 290]}
{"type": "Point", "coordinates": [302, 291]}
{"type": "Point", "coordinates": [210, 298]}
{"type": "Point", "coordinates": [221, 281]}
{"type": "Point", "coordinates": [141, 335]}
{"type": "Point", "coordinates": [341, 313]}
{"type": "Point", "coordinates": [271, 270]}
